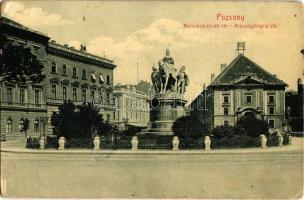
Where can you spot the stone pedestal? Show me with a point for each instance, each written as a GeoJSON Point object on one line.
{"type": "Point", "coordinates": [41, 143]}
{"type": "Point", "coordinates": [134, 143]}
{"type": "Point", "coordinates": [61, 143]}
{"type": "Point", "coordinates": [280, 140]}
{"type": "Point", "coordinates": [263, 141]}
{"type": "Point", "coordinates": [96, 142]}
{"type": "Point", "coordinates": [164, 110]}
{"type": "Point", "coordinates": [207, 142]}
{"type": "Point", "coordinates": [175, 143]}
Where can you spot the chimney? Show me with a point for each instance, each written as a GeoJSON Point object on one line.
{"type": "Point", "coordinates": [240, 48]}
{"type": "Point", "coordinates": [83, 48]}
{"type": "Point", "coordinates": [223, 66]}
{"type": "Point", "coordinates": [66, 45]}
{"type": "Point", "coordinates": [212, 77]}
{"type": "Point", "coordinates": [275, 75]}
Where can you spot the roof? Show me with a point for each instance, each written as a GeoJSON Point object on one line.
{"type": "Point", "coordinates": [9, 22]}
{"type": "Point", "coordinates": [242, 68]}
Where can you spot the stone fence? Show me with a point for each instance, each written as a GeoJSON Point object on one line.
{"type": "Point", "coordinates": [175, 143]}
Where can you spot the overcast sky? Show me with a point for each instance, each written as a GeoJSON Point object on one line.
{"type": "Point", "coordinates": [139, 32]}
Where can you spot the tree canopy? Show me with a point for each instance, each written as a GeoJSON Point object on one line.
{"type": "Point", "coordinates": [79, 121]}
{"type": "Point", "coordinates": [18, 63]}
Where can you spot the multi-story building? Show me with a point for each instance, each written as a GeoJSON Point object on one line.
{"type": "Point", "coordinates": [71, 74]}
{"type": "Point", "coordinates": [22, 101]}
{"type": "Point", "coordinates": [242, 88]}
{"type": "Point", "coordinates": [132, 106]}
{"type": "Point", "coordinates": [76, 75]}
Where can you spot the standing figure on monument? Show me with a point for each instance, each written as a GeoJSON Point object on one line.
{"type": "Point", "coordinates": [168, 73]}
{"type": "Point", "coordinates": [156, 79]}
{"type": "Point", "coordinates": [182, 80]}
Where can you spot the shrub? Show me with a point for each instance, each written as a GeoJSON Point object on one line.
{"type": "Point", "coordinates": [223, 131]}
{"type": "Point", "coordinates": [254, 127]}
{"type": "Point", "coordinates": [188, 126]}
{"type": "Point", "coordinates": [51, 142]}
{"type": "Point", "coordinates": [237, 141]}
{"type": "Point", "coordinates": [32, 143]}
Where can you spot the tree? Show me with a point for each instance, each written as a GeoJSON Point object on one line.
{"type": "Point", "coordinates": [18, 64]}
{"type": "Point", "coordinates": [253, 126]}
{"type": "Point", "coordinates": [79, 122]}
{"type": "Point", "coordinates": [188, 126]}
{"type": "Point", "coordinates": [65, 122]}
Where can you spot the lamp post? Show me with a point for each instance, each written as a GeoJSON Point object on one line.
{"type": "Point", "coordinates": [288, 112]}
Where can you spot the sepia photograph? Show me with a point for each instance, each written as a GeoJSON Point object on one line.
{"type": "Point", "coordinates": [151, 99]}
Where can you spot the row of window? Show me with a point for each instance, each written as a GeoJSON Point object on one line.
{"type": "Point", "coordinates": [270, 110]}
{"type": "Point", "coordinates": [75, 94]}
{"type": "Point", "coordinates": [9, 126]}
{"type": "Point", "coordinates": [136, 115]}
{"type": "Point", "coordinates": [271, 99]}
{"type": "Point", "coordinates": [22, 96]}
{"type": "Point", "coordinates": [83, 74]}
{"type": "Point", "coordinates": [135, 103]}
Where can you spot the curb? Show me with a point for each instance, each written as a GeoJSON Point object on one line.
{"type": "Point", "coordinates": [153, 152]}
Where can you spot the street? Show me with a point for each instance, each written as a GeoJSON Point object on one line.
{"type": "Point", "coordinates": [238, 175]}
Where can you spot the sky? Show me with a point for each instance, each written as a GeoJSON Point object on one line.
{"type": "Point", "coordinates": [138, 32]}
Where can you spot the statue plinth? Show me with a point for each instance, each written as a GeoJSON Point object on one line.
{"type": "Point", "coordinates": [164, 110]}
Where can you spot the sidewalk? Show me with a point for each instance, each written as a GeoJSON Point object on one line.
{"type": "Point", "coordinates": [296, 146]}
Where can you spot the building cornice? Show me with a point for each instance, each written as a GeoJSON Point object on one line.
{"type": "Point", "coordinates": [71, 53]}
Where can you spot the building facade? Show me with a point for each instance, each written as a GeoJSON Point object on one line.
{"type": "Point", "coordinates": [22, 101]}
{"type": "Point", "coordinates": [242, 88]}
{"type": "Point", "coordinates": [70, 74]}
{"type": "Point", "coordinates": [294, 108]}
{"type": "Point", "coordinates": [132, 107]}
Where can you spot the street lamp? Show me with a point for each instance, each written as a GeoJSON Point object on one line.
{"type": "Point", "coordinates": [288, 112]}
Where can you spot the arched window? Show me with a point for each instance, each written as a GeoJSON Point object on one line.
{"type": "Point", "coordinates": [36, 126]}
{"type": "Point", "coordinates": [20, 126]}
{"type": "Point", "coordinates": [9, 126]}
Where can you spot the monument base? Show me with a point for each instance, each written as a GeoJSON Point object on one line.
{"type": "Point", "coordinates": [165, 109]}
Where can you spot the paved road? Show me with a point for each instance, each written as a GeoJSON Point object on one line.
{"type": "Point", "coordinates": [246, 175]}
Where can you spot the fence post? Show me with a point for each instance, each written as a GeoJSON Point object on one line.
{"type": "Point", "coordinates": [61, 143]}
{"type": "Point", "coordinates": [263, 141]}
{"type": "Point", "coordinates": [207, 143]}
{"type": "Point", "coordinates": [41, 143]}
{"type": "Point", "coordinates": [175, 143]}
{"type": "Point", "coordinates": [280, 139]}
{"type": "Point", "coordinates": [134, 142]}
{"type": "Point", "coordinates": [96, 142]}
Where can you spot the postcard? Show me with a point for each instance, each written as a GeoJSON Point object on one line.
{"type": "Point", "coordinates": [151, 99]}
